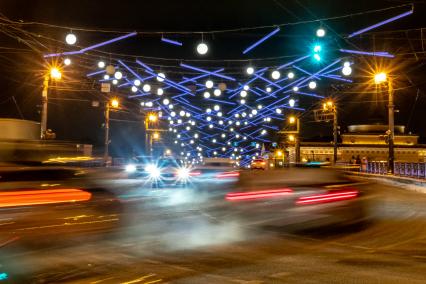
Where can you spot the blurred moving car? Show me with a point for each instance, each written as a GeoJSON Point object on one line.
{"type": "Point", "coordinates": [258, 164]}
{"type": "Point", "coordinates": [299, 198]}
{"type": "Point", "coordinates": [166, 171]}
{"type": "Point", "coordinates": [216, 170]}
{"type": "Point", "coordinates": [52, 200]}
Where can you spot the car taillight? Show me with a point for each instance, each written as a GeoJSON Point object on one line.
{"type": "Point", "coordinates": [232, 196]}
{"type": "Point", "coordinates": [30, 197]}
{"type": "Point", "coordinates": [194, 173]}
{"type": "Point", "coordinates": [331, 196]}
{"type": "Point", "coordinates": [228, 175]}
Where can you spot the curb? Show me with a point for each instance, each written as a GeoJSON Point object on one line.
{"type": "Point", "coordinates": [403, 182]}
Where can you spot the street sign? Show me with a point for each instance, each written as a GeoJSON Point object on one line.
{"type": "Point", "coordinates": [105, 87]}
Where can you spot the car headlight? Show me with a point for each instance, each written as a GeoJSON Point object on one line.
{"type": "Point", "coordinates": [153, 171]}
{"type": "Point", "coordinates": [130, 168]}
{"type": "Point", "coordinates": [183, 173]}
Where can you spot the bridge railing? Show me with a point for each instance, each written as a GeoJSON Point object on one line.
{"type": "Point", "coordinates": [405, 169]}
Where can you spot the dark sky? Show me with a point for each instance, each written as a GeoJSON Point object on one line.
{"type": "Point", "coordinates": [76, 119]}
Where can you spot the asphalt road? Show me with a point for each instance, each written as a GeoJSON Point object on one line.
{"type": "Point", "coordinates": [176, 241]}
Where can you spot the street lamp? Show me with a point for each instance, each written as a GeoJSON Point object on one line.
{"type": "Point", "coordinates": [380, 78]}
{"type": "Point", "coordinates": [53, 73]}
{"type": "Point", "coordinates": [114, 103]}
{"type": "Point", "coordinates": [329, 106]}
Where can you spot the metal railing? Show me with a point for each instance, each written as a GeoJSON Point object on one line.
{"type": "Point", "coordinates": [405, 169]}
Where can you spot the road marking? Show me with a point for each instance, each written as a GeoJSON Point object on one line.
{"type": "Point", "coordinates": [140, 279]}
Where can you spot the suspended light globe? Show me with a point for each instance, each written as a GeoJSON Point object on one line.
{"type": "Point", "coordinates": [101, 64]}
{"type": "Point", "coordinates": [246, 87]}
{"type": "Point", "coordinates": [182, 113]}
{"type": "Point", "coordinates": [209, 84]}
{"type": "Point", "coordinates": [209, 110]}
{"type": "Point", "coordinates": [295, 88]}
{"type": "Point", "coordinates": [206, 95]}
{"type": "Point", "coordinates": [276, 75]}
{"type": "Point", "coordinates": [161, 77]}
{"type": "Point", "coordinates": [115, 81]}
{"type": "Point", "coordinates": [320, 32]}
{"type": "Point", "coordinates": [134, 89]}
{"type": "Point", "coordinates": [146, 88]}
{"type": "Point", "coordinates": [67, 61]}
{"type": "Point", "coordinates": [202, 48]}
{"type": "Point", "coordinates": [243, 94]}
{"type": "Point", "coordinates": [70, 39]}
{"type": "Point", "coordinates": [217, 92]}
{"type": "Point", "coordinates": [268, 89]}
{"type": "Point", "coordinates": [259, 106]}
{"type": "Point", "coordinates": [149, 104]}
{"type": "Point", "coordinates": [250, 70]}
{"type": "Point", "coordinates": [290, 75]}
{"type": "Point", "coordinates": [346, 70]}
{"type": "Point", "coordinates": [242, 101]}
{"type": "Point", "coordinates": [160, 91]}
{"type": "Point", "coordinates": [216, 107]}
{"type": "Point", "coordinates": [312, 85]}
{"type": "Point", "coordinates": [166, 101]}
{"type": "Point", "coordinates": [291, 102]}
{"type": "Point", "coordinates": [118, 75]}
{"type": "Point", "coordinates": [106, 77]}
{"type": "Point", "coordinates": [137, 82]}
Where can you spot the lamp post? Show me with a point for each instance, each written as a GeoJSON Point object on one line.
{"type": "Point", "coordinates": [380, 78]}
{"type": "Point", "coordinates": [331, 106]}
{"type": "Point", "coordinates": [114, 104]}
{"type": "Point", "coordinates": [55, 74]}
{"type": "Point", "coordinates": [151, 118]}
{"type": "Point", "coordinates": [295, 138]}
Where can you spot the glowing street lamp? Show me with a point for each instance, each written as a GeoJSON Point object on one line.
{"type": "Point", "coordinates": [53, 73]}
{"type": "Point", "coordinates": [114, 103]}
{"type": "Point", "coordinates": [380, 78]}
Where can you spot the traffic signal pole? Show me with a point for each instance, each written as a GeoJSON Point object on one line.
{"type": "Point", "coordinates": [106, 142]}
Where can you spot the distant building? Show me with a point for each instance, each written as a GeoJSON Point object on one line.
{"type": "Point", "coordinates": [367, 141]}
{"type": "Point", "coordinates": [20, 142]}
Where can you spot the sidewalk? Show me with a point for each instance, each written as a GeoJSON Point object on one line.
{"type": "Point", "coordinates": [414, 184]}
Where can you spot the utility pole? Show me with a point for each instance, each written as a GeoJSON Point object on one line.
{"type": "Point", "coordinates": [380, 78]}
{"type": "Point", "coordinates": [391, 121]}
{"type": "Point", "coordinates": [297, 141]}
{"type": "Point", "coordinates": [43, 124]}
{"type": "Point", "coordinates": [106, 142]}
{"type": "Point", "coordinates": [335, 134]}
{"type": "Point", "coordinates": [327, 113]}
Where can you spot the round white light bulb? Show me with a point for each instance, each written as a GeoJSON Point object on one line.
{"type": "Point", "coordinates": [202, 48]}
{"type": "Point", "coordinates": [71, 39]}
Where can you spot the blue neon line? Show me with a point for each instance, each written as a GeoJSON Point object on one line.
{"type": "Point", "coordinates": [381, 23]}
{"type": "Point", "coordinates": [144, 65]}
{"type": "Point", "coordinates": [95, 73]}
{"type": "Point", "coordinates": [261, 40]}
{"type": "Point", "coordinates": [337, 78]}
{"type": "Point", "coordinates": [91, 47]}
{"type": "Point", "coordinates": [206, 71]}
{"type": "Point", "coordinates": [306, 72]}
{"type": "Point", "coordinates": [310, 94]}
{"type": "Point", "coordinates": [163, 39]}
{"type": "Point", "coordinates": [379, 54]}
{"type": "Point", "coordinates": [292, 62]}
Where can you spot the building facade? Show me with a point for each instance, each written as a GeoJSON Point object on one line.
{"type": "Point", "coordinates": [364, 141]}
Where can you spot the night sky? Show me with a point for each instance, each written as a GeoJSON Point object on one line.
{"type": "Point", "coordinates": [72, 116]}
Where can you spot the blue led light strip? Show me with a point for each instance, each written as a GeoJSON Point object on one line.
{"type": "Point", "coordinates": [261, 40]}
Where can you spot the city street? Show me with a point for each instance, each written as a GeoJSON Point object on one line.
{"type": "Point", "coordinates": [184, 244]}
